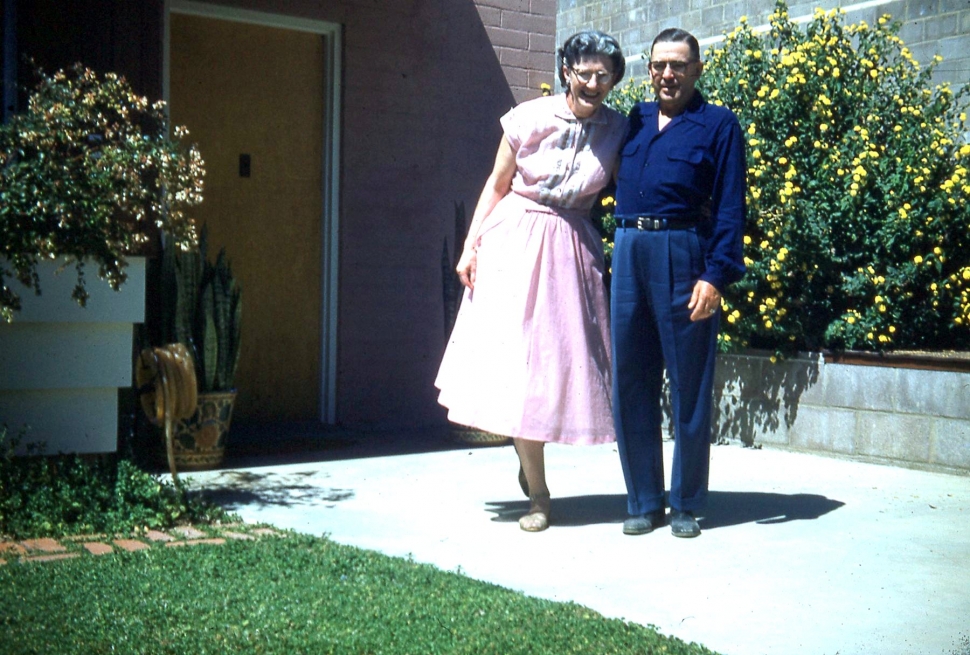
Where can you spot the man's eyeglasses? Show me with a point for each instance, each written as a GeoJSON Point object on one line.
{"type": "Point", "coordinates": [678, 67]}
{"type": "Point", "coordinates": [602, 77]}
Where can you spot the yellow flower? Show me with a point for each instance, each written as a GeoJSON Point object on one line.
{"type": "Point", "coordinates": [763, 244]}
{"type": "Point", "coordinates": [747, 239]}
{"type": "Point", "coordinates": [850, 320]}
{"type": "Point", "coordinates": [607, 201]}
{"type": "Point", "coordinates": [918, 259]}
{"type": "Point", "coordinates": [823, 127]}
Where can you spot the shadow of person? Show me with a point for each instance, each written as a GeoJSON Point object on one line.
{"type": "Point", "coordinates": [724, 509]}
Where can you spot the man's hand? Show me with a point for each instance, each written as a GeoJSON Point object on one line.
{"type": "Point", "coordinates": [705, 301]}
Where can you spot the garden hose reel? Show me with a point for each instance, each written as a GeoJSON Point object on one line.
{"type": "Point", "coordinates": [165, 377]}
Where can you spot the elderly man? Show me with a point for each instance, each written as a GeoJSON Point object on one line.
{"type": "Point", "coordinates": [680, 218]}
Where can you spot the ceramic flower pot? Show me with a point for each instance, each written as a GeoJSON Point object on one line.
{"type": "Point", "coordinates": [200, 441]}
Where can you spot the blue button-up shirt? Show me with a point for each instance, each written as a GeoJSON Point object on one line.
{"type": "Point", "coordinates": [698, 157]}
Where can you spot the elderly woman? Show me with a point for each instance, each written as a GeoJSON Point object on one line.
{"type": "Point", "coordinates": [529, 356]}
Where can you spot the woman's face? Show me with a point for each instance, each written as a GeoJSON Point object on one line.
{"type": "Point", "coordinates": [589, 80]}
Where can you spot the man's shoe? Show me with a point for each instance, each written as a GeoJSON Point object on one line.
{"type": "Point", "coordinates": [644, 524]}
{"type": "Point", "coordinates": [683, 524]}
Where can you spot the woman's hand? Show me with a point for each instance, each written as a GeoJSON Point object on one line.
{"type": "Point", "coordinates": [498, 185]}
{"type": "Point", "coordinates": [467, 265]}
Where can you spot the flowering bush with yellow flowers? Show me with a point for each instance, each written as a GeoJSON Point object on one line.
{"type": "Point", "coordinates": [89, 172]}
{"type": "Point", "coordinates": [858, 232]}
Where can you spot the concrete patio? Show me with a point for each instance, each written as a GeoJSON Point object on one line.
{"type": "Point", "coordinates": [801, 554]}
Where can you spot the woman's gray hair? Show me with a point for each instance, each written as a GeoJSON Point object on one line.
{"type": "Point", "coordinates": [590, 43]}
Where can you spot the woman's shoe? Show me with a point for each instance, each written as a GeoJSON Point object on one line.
{"type": "Point", "coordinates": [523, 483]}
{"type": "Point", "coordinates": [537, 519]}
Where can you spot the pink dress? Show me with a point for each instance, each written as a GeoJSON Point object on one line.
{"type": "Point", "coordinates": [529, 355]}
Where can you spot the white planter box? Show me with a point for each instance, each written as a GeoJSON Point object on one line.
{"type": "Point", "coordinates": [61, 365]}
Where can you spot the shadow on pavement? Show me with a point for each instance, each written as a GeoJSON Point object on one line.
{"type": "Point", "coordinates": [724, 509]}
{"type": "Point", "coordinates": [233, 490]}
{"type": "Point", "coordinates": [252, 445]}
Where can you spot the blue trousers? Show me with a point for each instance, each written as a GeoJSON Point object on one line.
{"type": "Point", "coordinates": [653, 277]}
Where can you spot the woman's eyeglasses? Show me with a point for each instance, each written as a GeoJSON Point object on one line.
{"type": "Point", "coordinates": [602, 77]}
{"type": "Point", "coordinates": [678, 67]}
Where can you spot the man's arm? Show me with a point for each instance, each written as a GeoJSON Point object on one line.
{"type": "Point", "coordinates": [725, 257]}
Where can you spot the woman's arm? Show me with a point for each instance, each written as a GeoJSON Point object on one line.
{"type": "Point", "coordinates": [498, 185]}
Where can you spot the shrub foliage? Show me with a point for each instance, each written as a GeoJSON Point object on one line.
{"type": "Point", "coordinates": [858, 233]}
{"type": "Point", "coordinates": [43, 496]}
{"type": "Point", "coordinates": [88, 170]}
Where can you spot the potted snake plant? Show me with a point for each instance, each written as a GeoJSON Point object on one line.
{"type": "Point", "coordinates": [201, 307]}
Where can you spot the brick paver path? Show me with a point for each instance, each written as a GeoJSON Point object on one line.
{"type": "Point", "coordinates": [52, 550]}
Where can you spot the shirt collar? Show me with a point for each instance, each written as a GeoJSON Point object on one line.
{"type": "Point", "coordinates": [692, 112]}
{"type": "Point", "coordinates": [695, 108]}
{"type": "Point", "coordinates": [563, 111]}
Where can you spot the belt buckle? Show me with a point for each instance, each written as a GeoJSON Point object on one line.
{"type": "Point", "coordinates": [649, 223]}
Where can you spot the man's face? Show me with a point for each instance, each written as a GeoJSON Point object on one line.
{"type": "Point", "coordinates": [673, 74]}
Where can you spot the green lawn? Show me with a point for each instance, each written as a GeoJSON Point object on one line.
{"type": "Point", "coordinates": [292, 594]}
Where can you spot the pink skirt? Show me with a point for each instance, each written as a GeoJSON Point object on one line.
{"type": "Point", "coordinates": [529, 355]}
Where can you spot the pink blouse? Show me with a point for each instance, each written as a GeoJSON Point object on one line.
{"type": "Point", "coordinates": [562, 161]}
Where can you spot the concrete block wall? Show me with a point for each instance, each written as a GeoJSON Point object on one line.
{"type": "Point", "coordinates": [522, 33]}
{"type": "Point", "coordinates": [903, 416]}
{"type": "Point", "coordinates": [930, 27]}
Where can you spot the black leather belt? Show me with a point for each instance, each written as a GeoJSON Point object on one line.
{"type": "Point", "coordinates": [653, 224]}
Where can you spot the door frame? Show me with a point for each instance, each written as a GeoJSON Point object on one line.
{"type": "Point", "coordinates": [330, 182]}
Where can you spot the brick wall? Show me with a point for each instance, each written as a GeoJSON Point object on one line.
{"type": "Point", "coordinates": [522, 33]}
{"type": "Point", "coordinates": [930, 26]}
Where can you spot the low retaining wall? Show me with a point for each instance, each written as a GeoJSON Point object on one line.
{"type": "Point", "coordinates": [875, 408]}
